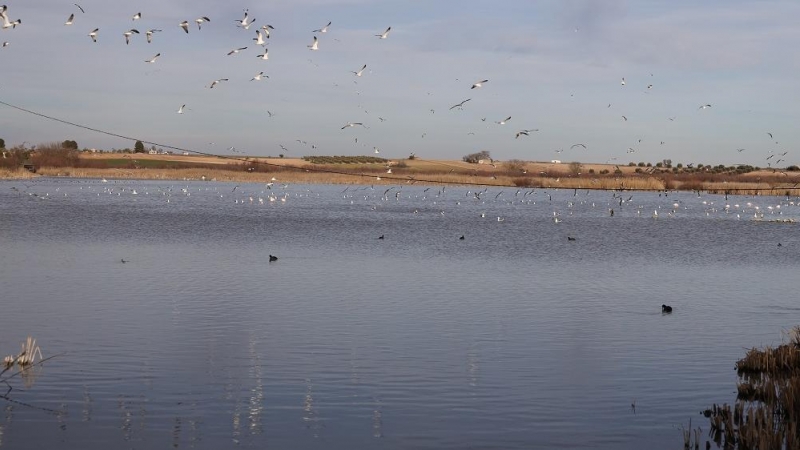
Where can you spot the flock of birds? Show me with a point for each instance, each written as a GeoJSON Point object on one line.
{"type": "Point", "coordinates": [261, 37]}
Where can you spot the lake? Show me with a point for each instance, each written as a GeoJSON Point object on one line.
{"type": "Point", "coordinates": [513, 337]}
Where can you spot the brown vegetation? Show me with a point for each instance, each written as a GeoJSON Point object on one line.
{"type": "Point", "coordinates": [767, 408]}
{"type": "Point", "coordinates": [54, 159]}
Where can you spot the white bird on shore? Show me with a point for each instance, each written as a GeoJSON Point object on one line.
{"type": "Point", "coordinates": [93, 34]}
{"type": "Point", "coordinates": [323, 29]}
{"type": "Point", "coordinates": [479, 84]}
{"type": "Point", "coordinates": [128, 35]}
{"type": "Point", "coordinates": [360, 72]}
{"type": "Point", "coordinates": [69, 21]}
{"type": "Point", "coordinates": [153, 59]}
{"type": "Point", "coordinates": [385, 34]}
{"type": "Point", "coordinates": [216, 82]}
{"type": "Point", "coordinates": [185, 26]}
{"type": "Point", "coordinates": [315, 45]}
{"type": "Point", "coordinates": [258, 76]}
{"type": "Point", "coordinates": [265, 55]}
{"type": "Point", "coordinates": [199, 21]}
{"type": "Point", "coordinates": [149, 34]}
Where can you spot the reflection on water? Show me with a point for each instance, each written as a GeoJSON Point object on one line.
{"type": "Point", "coordinates": [512, 337]}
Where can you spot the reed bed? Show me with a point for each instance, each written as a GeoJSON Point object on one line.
{"type": "Point", "coordinates": [767, 409]}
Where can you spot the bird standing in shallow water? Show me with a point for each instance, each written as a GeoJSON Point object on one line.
{"type": "Point", "coordinates": [666, 309]}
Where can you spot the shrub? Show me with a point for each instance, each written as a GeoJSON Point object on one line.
{"type": "Point", "coordinates": [473, 158]}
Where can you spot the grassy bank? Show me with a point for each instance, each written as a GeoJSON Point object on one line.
{"type": "Point", "coordinates": [343, 170]}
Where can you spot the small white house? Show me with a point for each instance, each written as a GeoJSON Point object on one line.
{"type": "Point", "coordinates": [153, 152]}
{"type": "Point", "coordinates": [556, 161]}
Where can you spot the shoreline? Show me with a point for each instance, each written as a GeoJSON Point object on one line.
{"type": "Point", "coordinates": [522, 174]}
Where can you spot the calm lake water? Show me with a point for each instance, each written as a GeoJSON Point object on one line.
{"type": "Point", "coordinates": [514, 337]}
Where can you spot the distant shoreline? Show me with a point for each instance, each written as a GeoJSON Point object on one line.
{"type": "Point", "coordinates": [510, 174]}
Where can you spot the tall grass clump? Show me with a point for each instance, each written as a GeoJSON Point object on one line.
{"type": "Point", "coordinates": [766, 413]}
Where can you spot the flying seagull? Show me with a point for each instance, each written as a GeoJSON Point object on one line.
{"type": "Point", "coordinates": [6, 22]}
{"type": "Point", "coordinates": [199, 21]}
{"type": "Point", "coordinates": [93, 34]}
{"type": "Point", "coordinates": [149, 35]}
{"type": "Point", "coordinates": [185, 26]}
{"type": "Point", "coordinates": [578, 145]}
{"type": "Point", "coordinates": [358, 74]}
{"type": "Point", "coordinates": [460, 105]}
{"type": "Point", "coordinates": [153, 59]}
{"type": "Point", "coordinates": [259, 38]}
{"type": "Point", "coordinates": [626, 119]}
{"type": "Point", "coordinates": [128, 35]}
{"type": "Point", "coordinates": [79, 7]}
{"type": "Point", "coordinates": [216, 82]}
{"type": "Point", "coordinates": [623, 81]}
{"type": "Point", "coordinates": [503, 122]}
{"type": "Point", "coordinates": [69, 21]}
{"type": "Point", "coordinates": [315, 45]}
{"type": "Point", "coordinates": [236, 50]}
{"type": "Point", "coordinates": [521, 133]}
{"type": "Point", "coordinates": [352, 124]}
{"type": "Point", "coordinates": [180, 110]}
{"type": "Point", "coordinates": [258, 76]}
{"type": "Point", "coordinates": [265, 55]}
{"type": "Point", "coordinates": [770, 135]}
{"type": "Point", "coordinates": [266, 29]}
{"type": "Point", "coordinates": [385, 34]}
{"type": "Point", "coordinates": [704, 106]}
{"type": "Point", "coordinates": [244, 23]}
{"type": "Point", "coordinates": [323, 29]}
{"type": "Point", "coordinates": [137, 16]}
{"type": "Point", "coordinates": [479, 84]}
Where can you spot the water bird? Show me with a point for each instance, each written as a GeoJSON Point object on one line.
{"type": "Point", "coordinates": [180, 110]}
{"type": "Point", "coordinates": [216, 82]}
{"type": "Point", "coordinates": [69, 21]}
{"type": "Point", "coordinates": [570, 238]}
{"type": "Point", "coordinates": [137, 16]}
{"type": "Point", "coordinates": [459, 105]}
{"type": "Point", "coordinates": [259, 38]}
{"type": "Point", "coordinates": [704, 106]}
{"type": "Point", "coordinates": [360, 72]}
{"type": "Point", "coordinates": [128, 35]}
{"type": "Point", "coordinates": [236, 50]}
{"type": "Point", "coordinates": [79, 7]}
{"type": "Point", "coordinates": [323, 29]}
{"type": "Point", "coordinates": [122, 260]}
{"type": "Point", "coordinates": [153, 59]}
{"type": "Point", "coordinates": [578, 145]}
{"type": "Point", "coordinates": [93, 34]}
{"type": "Point", "coordinates": [380, 237]}
{"type": "Point", "coordinates": [666, 309]}
{"type": "Point", "coordinates": [479, 84]}
{"type": "Point", "coordinates": [272, 258]}
{"type": "Point", "coordinates": [352, 124]}
{"type": "Point", "coordinates": [461, 238]}
{"type": "Point", "coordinates": [185, 26]}
{"type": "Point", "coordinates": [503, 122]}
{"type": "Point", "coordinates": [258, 78]}
{"type": "Point", "coordinates": [199, 21]}
{"type": "Point", "coordinates": [265, 56]}
{"type": "Point", "coordinates": [385, 34]}
{"type": "Point", "coordinates": [314, 45]}
{"type": "Point", "coordinates": [149, 35]}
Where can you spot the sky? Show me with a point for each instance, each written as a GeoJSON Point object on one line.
{"type": "Point", "coordinates": [555, 66]}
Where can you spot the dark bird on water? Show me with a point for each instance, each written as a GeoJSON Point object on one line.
{"type": "Point", "coordinates": [666, 309]}
{"type": "Point", "coordinates": [461, 238]}
{"type": "Point", "coordinates": [272, 258]}
{"type": "Point", "coordinates": [380, 237]}
{"type": "Point", "coordinates": [570, 238]}
{"type": "Point", "coordinates": [123, 261]}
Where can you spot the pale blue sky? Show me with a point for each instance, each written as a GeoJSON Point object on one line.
{"type": "Point", "coordinates": [553, 65]}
